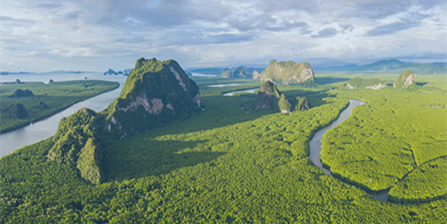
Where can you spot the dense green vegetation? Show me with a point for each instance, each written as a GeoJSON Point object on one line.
{"type": "Point", "coordinates": [357, 83]}
{"type": "Point", "coordinates": [46, 99]}
{"type": "Point", "coordinates": [77, 142]}
{"type": "Point", "coordinates": [390, 136]}
{"type": "Point", "coordinates": [425, 183]}
{"type": "Point", "coordinates": [228, 164]}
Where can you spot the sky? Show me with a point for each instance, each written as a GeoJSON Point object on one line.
{"type": "Point", "coordinates": [94, 35]}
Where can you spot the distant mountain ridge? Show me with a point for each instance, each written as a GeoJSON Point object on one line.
{"type": "Point", "coordinates": [389, 66]}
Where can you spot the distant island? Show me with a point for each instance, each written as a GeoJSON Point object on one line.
{"type": "Point", "coordinates": [125, 72]}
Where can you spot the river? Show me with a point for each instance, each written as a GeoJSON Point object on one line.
{"type": "Point", "coordinates": [315, 143]}
{"type": "Point", "coordinates": [43, 129]}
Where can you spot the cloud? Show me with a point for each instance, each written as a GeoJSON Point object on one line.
{"type": "Point", "coordinates": [388, 29]}
{"type": "Point", "coordinates": [325, 33]}
{"type": "Point", "coordinates": [205, 32]}
{"type": "Point", "coordinates": [406, 22]}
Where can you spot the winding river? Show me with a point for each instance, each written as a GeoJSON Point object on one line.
{"type": "Point", "coordinates": [315, 143]}
{"type": "Point", "coordinates": [46, 128]}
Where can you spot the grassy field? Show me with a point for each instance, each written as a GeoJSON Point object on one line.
{"type": "Point", "coordinates": [56, 96]}
{"type": "Point", "coordinates": [227, 164]}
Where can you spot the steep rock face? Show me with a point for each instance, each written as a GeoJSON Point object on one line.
{"type": "Point", "coordinates": [22, 93]}
{"type": "Point", "coordinates": [360, 83]}
{"type": "Point", "coordinates": [154, 93]}
{"type": "Point", "coordinates": [289, 73]}
{"type": "Point", "coordinates": [405, 80]}
{"type": "Point", "coordinates": [18, 111]}
{"type": "Point", "coordinates": [77, 142]}
{"type": "Point", "coordinates": [268, 97]}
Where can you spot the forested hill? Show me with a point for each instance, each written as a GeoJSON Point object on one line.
{"type": "Point", "coordinates": [392, 66]}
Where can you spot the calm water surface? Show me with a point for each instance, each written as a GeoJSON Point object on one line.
{"type": "Point", "coordinates": [43, 129]}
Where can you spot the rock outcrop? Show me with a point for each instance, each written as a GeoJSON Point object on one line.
{"type": "Point", "coordinates": [360, 83]}
{"type": "Point", "coordinates": [256, 75]}
{"type": "Point", "coordinates": [110, 72]}
{"type": "Point", "coordinates": [77, 142]}
{"type": "Point", "coordinates": [226, 73]}
{"type": "Point", "coordinates": [22, 93]}
{"type": "Point", "coordinates": [268, 97]}
{"type": "Point", "coordinates": [155, 92]}
{"type": "Point", "coordinates": [302, 103]}
{"type": "Point", "coordinates": [18, 111]}
{"type": "Point", "coordinates": [240, 73]}
{"type": "Point", "coordinates": [405, 80]}
{"type": "Point", "coordinates": [289, 72]}
{"type": "Point", "coordinates": [284, 105]}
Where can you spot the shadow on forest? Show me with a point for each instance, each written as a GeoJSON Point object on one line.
{"type": "Point", "coordinates": [141, 156]}
{"type": "Point", "coordinates": [129, 159]}
{"type": "Point", "coordinates": [328, 80]}
{"type": "Point", "coordinates": [222, 111]}
{"type": "Point", "coordinates": [421, 83]}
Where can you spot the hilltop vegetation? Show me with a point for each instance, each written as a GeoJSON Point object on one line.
{"type": "Point", "coordinates": [155, 93]}
{"type": "Point", "coordinates": [41, 100]}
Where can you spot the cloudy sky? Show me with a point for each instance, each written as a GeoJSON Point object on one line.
{"type": "Point", "coordinates": [94, 35]}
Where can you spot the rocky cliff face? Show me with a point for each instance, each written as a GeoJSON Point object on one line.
{"type": "Point", "coordinates": [268, 97]}
{"type": "Point", "coordinates": [405, 80]}
{"type": "Point", "coordinates": [154, 93]}
{"type": "Point", "coordinates": [289, 72]}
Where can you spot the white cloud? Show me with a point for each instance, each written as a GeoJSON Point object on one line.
{"type": "Point", "coordinates": [95, 35]}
